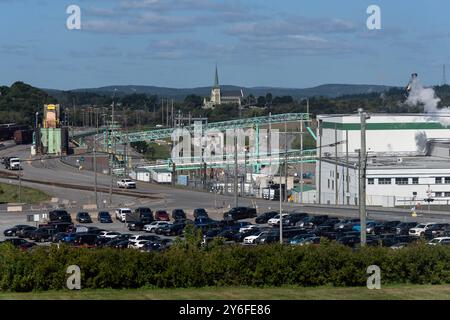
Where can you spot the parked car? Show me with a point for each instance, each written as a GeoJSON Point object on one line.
{"type": "Point", "coordinates": [240, 236]}
{"type": "Point", "coordinates": [275, 221]}
{"type": "Point", "coordinates": [126, 183]}
{"type": "Point", "coordinates": [25, 232]}
{"type": "Point", "coordinates": [403, 228]}
{"type": "Point", "coordinates": [346, 224]}
{"type": "Point", "coordinates": [292, 218]}
{"type": "Point", "coordinates": [135, 225]}
{"type": "Point", "coordinates": [83, 217]}
{"type": "Point", "coordinates": [252, 239]}
{"type": "Point", "coordinates": [59, 215]}
{"type": "Point", "coordinates": [269, 237]}
{"type": "Point", "coordinates": [109, 234]}
{"type": "Point", "coordinates": [16, 242]}
{"type": "Point", "coordinates": [154, 225]}
{"type": "Point", "coordinates": [160, 229]}
{"type": "Point", "coordinates": [174, 229]}
{"type": "Point", "coordinates": [178, 214]}
{"type": "Point", "coordinates": [42, 234]}
{"type": "Point", "coordinates": [239, 213]}
{"type": "Point", "coordinates": [11, 232]}
{"type": "Point", "coordinates": [436, 230]}
{"type": "Point", "coordinates": [390, 226]}
{"type": "Point", "coordinates": [104, 217]}
{"type": "Point", "coordinates": [144, 214]}
{"type": "Point", "coordinates": [440, 241]}
{"type": "Point", "coordinates": [86, 240]}
{"type": "Point", "coordinates": [122, 214]}
{"type": "Point", "coordinates": [200, 212]}
{"type": "Point", "coordinates": [312, 221]}
{"type": "Point", "coordinates": [264, 217]}
{"type": "Point", "coordinates": [419, 230]}
{"type": "Point", "coordinates": [162, 215]}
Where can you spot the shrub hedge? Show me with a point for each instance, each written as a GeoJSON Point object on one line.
{"type": "Point", "coordinates": [218, 265]}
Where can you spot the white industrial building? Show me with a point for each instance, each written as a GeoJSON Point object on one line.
{"type": "Point", "coordinates": [408, 160]}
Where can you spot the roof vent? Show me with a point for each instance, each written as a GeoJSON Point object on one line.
{"type": "Point", "coordinates": [399, 160]}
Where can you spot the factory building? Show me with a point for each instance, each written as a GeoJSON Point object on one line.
{"type": "Point", "coordinates": [408, 160]}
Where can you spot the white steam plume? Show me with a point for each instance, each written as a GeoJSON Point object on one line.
{"type": "Point", "coordinates": [427, 96]}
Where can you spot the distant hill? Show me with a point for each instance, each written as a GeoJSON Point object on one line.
{"type": "Point", "coordinates": [326, 90]}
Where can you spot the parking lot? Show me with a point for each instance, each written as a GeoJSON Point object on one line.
{"type": "Point", "coordinates": [239, 225]}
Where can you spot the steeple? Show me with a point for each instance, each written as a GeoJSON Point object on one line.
{"type": "Point", "coordinates": [216, 79]}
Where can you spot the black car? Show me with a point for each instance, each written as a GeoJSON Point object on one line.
{"type": "Point", "coordinates": [59, 215]}
{"type": "Point", "coordinates": [264, 217]}
{"type": "Point", "coordinates": [144, 215]}
{"type": "Point", "coordinates": [200, 212]}
{"type": "Point", "coordinates": [292, 218]}
{"type": "Point", "coordinates": [136, 225]}
{"type": "Point", "coordinates": [178, 214]}
{"type": "Point", "coordinates": [346, 224]}
{"type": "Point", "coordinates": [436, 230]}
{"type": "Point", "coordinates": [239, 213]}
{"type": "Point", "coordinates": [227, 234]}
{"type": "Point", "coordinates": [43, 234]}
{"type": "Point", "coordinates": [85, 240]}
{"type": "Point", "coordinates": [175, 229]}
{"type": "Point", "coordinates": [101, 241]}
{"type": "Point", "coordinates": [17, 242]}
{"type": "Point", "coordinates": [11, 232]}
{"type": "Point", "coordinates": [83, 217]}
{"type": "Point", "coordinates": [61, 226]}
{"type": "Point", "coordinates": [403, 228]}
{"type": "Point", "coordinates": [104, 217]}
{"type": "Point", "coordinates": [269, 237]}
{"type": "Point", "coordinates": [312, 221]}
{"type": "Point", "coordinates": [390, 226]}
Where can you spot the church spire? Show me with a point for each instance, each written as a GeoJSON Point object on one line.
{"type": "Point", "coordinates": [216, 79]}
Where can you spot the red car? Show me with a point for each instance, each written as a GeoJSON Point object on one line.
{"type": "Point", "coordinates": [162, 215]}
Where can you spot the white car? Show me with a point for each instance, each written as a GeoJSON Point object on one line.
{"type": "Point", "coordinates": [419, 230]}
{"type": "Point", "coordinates": [109, 234]}
{"type": "Point", "coordinates": [440, 241]}
{"type": "Point", "coordinates": [154, 225]}
{"type": "Point", "coordinates": [126, 183]}
{"type": "Point", "coordinates": [121, 214]}
{"type": "Point", "coordinates": [248, 228]}
{"type": "Point", "coordinates": [276, 220]}
{"type": "Point", "coordinates": [252, 239]}
{"type": "Point", "coordinates": [137, 244]}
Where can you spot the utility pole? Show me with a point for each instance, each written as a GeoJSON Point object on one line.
{"type": "Point", "coordinates": [319, 124]}
{"type": "Point", "coordinates": [362, 176]}
{"type": "Point", "coordinates": [20, 187]}
{"type": "Point", "coordinates": [95, 171]}
{"type": "Point", "coordinates": [301, 161]}
{"type": "Point", "coordinates": [336, 174]}
{"type": "Point", "coordinates": [281, 211]}
{"type": "Point", "coordinates": [112, 151]}
{"type": "Point", "coordinates": [346, 164]}
{"type": "Point", "coordinates": [285, 163]}
{"type": "Point", "coordinates": [235, 169]}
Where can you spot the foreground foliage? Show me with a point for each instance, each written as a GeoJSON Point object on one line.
{"type": "Point", "coordinates": [186, 265]}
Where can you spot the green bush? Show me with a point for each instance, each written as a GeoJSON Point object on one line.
{"type": "Point", "coordinates": [190, 265]}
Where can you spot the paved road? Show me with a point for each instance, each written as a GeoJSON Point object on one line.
{"type": "Point", "coordinates": [170, 198]}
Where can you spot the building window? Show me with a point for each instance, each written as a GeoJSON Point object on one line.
{"type": "Point", "coordinates": [415, 180]}
{"type": "Point", "coordinates": [384, 180]}
{"type": "Point", "coordinates": [332, 185]}
{"type": "Point", "coordinates": [438, 180]}
{"type": "Point", "coordinates": [328, 183]}
{"type": "Point", "coordinates": [447, 180]}
{"type": "Point", "coordinates": [371, 181]}
{"type": "Point", "coordinates": [447, 194]}
{"type": "Point", "coordinates": [401, 180]}
{"type": "Point", "coordinates": [438, 194]}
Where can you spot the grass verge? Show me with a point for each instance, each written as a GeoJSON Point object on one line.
{"type": "Point", "coordinates": [398, 292]}
{"type": "Point", "coordinates": [10, 193]}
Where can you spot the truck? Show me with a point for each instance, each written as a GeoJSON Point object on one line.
{"type": "Point", "coordinates": [12, 163]}
{"type": "Point", "coordinates": [23, 136]}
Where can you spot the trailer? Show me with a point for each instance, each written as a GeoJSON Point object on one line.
{"type": "Point", "coordinates": [161, 175]}
{"type": "Point", "coordinates": [23, 136]}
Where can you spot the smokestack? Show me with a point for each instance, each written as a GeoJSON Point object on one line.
{"type": "Point", "coordinates": [413, 79]}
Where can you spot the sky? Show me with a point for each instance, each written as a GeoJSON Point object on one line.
{"type": "Point", "coordinates": [176, 43]}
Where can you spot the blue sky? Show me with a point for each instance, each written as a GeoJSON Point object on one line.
{"type": "Point", "coordinates": [176, 43]}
